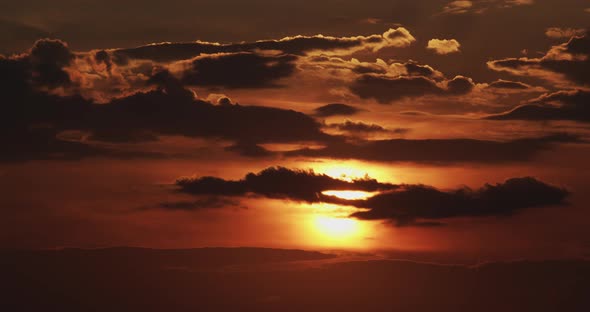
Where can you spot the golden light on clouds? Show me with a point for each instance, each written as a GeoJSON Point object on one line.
{"type": "Point", "coordinates": [349, 170]}
{"type": "Point", "coordinates": [343, 171]}
{"type": "Point", "coordinates": [444, 46]}
{"type": "Point", "coordinates": [349, 195]}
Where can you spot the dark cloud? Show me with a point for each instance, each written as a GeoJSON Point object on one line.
{"type": "Point", "coordinates": [169, 111]}
{"type": "Point", "coordinates": [570, 60]}
{"type": "Point", "coordinates": [32, 87]}
{"type": "Point", "coordinates": [459, 85]}
{"type": "Point", "coordinates": [47, 59]}
{"type": "Point", "coordinates": [26, 106]}
{"type": "Point", "coordinates": [437, 150]}
{"type": "Point", "coordinates": [103, 57]}
{"type": "Point", "coordinates": [412, 203]}
{"type": "Point", "coordinates": [419, 70]}
{"type": "Point", "coordinates": [41, 67]}
{"type": "Point", "coordinates": [298, 45]}
{"type": "Point", "coordinates": [278, 182]}
{"type": "Point", "coordinates": [207, 202]}
{"type": "Point", "coordinates": [505, 84]}
{"type": "Point", "coordinates": [387, 89]}
{"type": "Point", "coordinates": [106, 74]}
{"type": "Point", "coordinates": [238, 70]}
{"type": "Point", "coordinates": [416, 205]}
{"type": "Point", "coordinates": [336, 109]}
{"type": "Point", "coordinates": [249, 149]}
{"type": "Point", "coordinates": [561, 105]}
{"type": "Point", "coordinates": [44, 144]}
{"type": "Point", "coordinates": [355, 127]}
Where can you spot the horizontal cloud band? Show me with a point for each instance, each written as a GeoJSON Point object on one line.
{"type": "Point", "coordinates": [402, 204]}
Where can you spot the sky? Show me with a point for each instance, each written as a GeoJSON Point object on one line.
{"type": "Point", "coordinates": [451, 127]}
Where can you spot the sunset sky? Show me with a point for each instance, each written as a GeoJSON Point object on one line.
{"type": "Point", "coordinates": [437, 126]}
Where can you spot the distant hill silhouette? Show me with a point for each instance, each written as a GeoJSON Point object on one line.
{"type": "Point", "coordinates": [135, 279]}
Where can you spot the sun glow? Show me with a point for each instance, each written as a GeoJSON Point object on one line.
{"type": "Point", "coordinates": [350, 170]}
{"type": "Point", "coordinates": [336, 228]}
{"type": "Point", "coordinates": [349, 195]}
{"type": "Point", "coordinates": [330, 226]}
{"type": "Point", "coordinates": [347, 173]}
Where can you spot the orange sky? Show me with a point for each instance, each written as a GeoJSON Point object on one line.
{"type": "Point", "coordinates": [458, 126]}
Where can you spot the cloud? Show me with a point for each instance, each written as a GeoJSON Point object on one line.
{"type": "Point", "coordinates": [34, 90]}
{"type": "Point", "coordinates": [358, 127]}
{"type": "Point", "coordinates": [458, 7]}
{"type": "Point", "coordinates": [236, 70]}
{"type": "Point", "coordinates": [506, 84]}
{"type": "Point", "coordinates": [248, 149]}
{"type": "Point", "coordinates": [511, 3]}
{"type": "Point", "coordinates": [388, 89]}
{"type": "Point", "coordinates": [444, 46]}
{"type": "Point", "coordinates": [102, 75]}
{"type": "Point", "coordinates": [437, 150]}
{"type": "Point", "coordinates": [42, 67]}
{"type": "Point", "coordinates": [173, 110]}
{"type": "Point", "coordinates": [403, 204]}
{"type": "Point", "coordinates": [44, 144]}
{"type": "Point", "coordinates": [479, 7]}
{"type": "Point", "coordinates": [411, 204]}
{"type": "Point", "coordinates": [336, 109]}
{"type": "Point", "coordinates": [297, 45]}
{"type": "Point", "coordinates": [561, 105]}
{"type": "Point", "coordinates": [398, 37]}
{"type": "Point", "coordinates": [207, 202]}
{"type": "Point", "coordinates": [459, 85]}
{"type": "Point", "coordinates": [503, 88]}
{"type": "Point", "coordinates": [566, 64]}
{"type": "Point", "coordinates": [415, 69]}
{"type": "Point", "coordinates": [278, 183]}
{"type": "Point", "coordinates": [406, 84]}
{"type": "Point", "coordinates": [558, 33]}
{"type": "Point", "coordinates": [342, 69]}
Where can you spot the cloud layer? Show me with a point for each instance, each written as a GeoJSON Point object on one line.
{"type": "Point", "coordinates": [417, 205]}
{"type": "Point", "coordinates": [569, 61]}
{"type": "Point", "coordinates": [561, 105]}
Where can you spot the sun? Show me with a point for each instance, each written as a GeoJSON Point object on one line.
{"type": "Point", "coordinates": [347, 173]}
{"type": "Point", "coordinates": [331, 226]}
{"type": "Point", "coordinates": [349, 195]}
{"type": "Point", "coordinates": [336, 228]}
